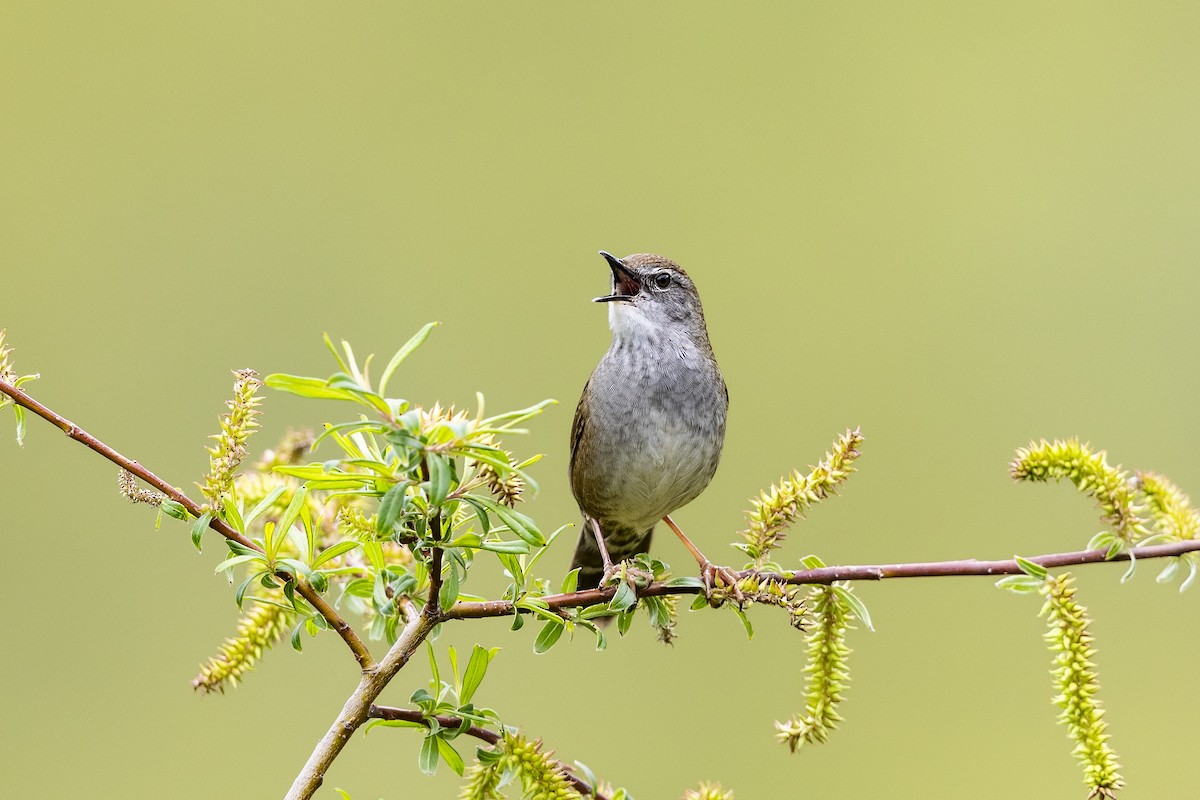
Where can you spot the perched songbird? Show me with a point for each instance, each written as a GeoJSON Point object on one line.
{"type": "Point", "coordinates": [650, 425]}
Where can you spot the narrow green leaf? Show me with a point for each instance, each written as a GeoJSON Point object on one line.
{"type": "Point", "coordinates": [857, 606]}
{"type": "Point", "coordinates": [550, 634]}
{"type": "Point", "coordinates": [287, 520]}
{"type": "Point", "coordinates": [688, 581]}
{"type": "Point", "coordinates": [571, 581]}
{"type": "Point", "coordinates": [262, 505]}
{"type": "Point", "coordinates": [174, 509]}
{"type": "Point", "coordinates": [624, 599]}
{"type": "Point", "coordinates": [428, 759]}
{"type": "Point", "coordinates": [19, 411]}
{"type": "Point", "coordinates": [333, 551]}
{"type": "Point", "coordinates": [440, 474]}
{"type": "Point", "coordinates": [1020, 584]}
{"type": "Point", "coordinates": [307, 387]}
{"type": "Point", "coordinates": [233, 517]}
{"type": "Point", "coordinates": [404, 352]}
{"type": "Point", "coordinates": [448, 593]}
{"type": "Point", "coordinates": [199, 527]}
{"type": "Point", "coordinates": [449, 755]}
{"type": "Point", "coordinates": [1031, 568]}
{"type": "Point", "coordinates": [745, 621]}
{"type": "Point", "coordinates": [390, 506]}
{"type": "Point", "coordinates": [476, 669]}
{"type": "Point", "coordinates": [229, 563]}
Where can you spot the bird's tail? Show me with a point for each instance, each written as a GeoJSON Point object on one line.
{"type": "Point", "coordinates": [621, 542]}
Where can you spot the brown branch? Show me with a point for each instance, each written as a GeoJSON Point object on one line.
{"type": "Point", "coordinates": [827, 575]}
{"type": "Point", "coordinates": [433, 606]}
{"type": "Point", "coordinates": [491, 737]}
{"type": "Point", "coordinates": [354, 712]}
{"type": "Point", "coordinates": [361, 653]}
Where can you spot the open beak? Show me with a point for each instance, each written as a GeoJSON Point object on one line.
{"type": "Point", "coordinates": [624, 282]}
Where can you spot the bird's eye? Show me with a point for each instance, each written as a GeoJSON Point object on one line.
{"type": "Point", "coordinates": [662, 280]}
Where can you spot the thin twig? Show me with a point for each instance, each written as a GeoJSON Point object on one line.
{"type": "Point", "coordinates": [354, 712]}
{"type": "Point", "coordinates": [827, 575]}
{"type": "Point", "coordinates": [361, 653]}
{"type": "Point", "coordinates": [489, 736]}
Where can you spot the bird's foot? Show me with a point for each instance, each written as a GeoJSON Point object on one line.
{"type": "Point", "coordinates": [626, 573]}
{"type": "Point", "coordinates": [721, 584]}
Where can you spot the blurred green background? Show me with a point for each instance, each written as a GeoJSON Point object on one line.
{"type": "Point", "coordinates": [956, 225]}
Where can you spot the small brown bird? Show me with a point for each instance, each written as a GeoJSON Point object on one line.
{"type": "Point", "coordinates": [650, 425]}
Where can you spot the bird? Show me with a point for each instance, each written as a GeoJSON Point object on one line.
{"type": "Point", "coordinates": [650, 424]}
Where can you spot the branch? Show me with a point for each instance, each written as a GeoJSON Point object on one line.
{"type": "Point", "coordinates": [827, 575]}
{"type": "Point", "coordinates": [357, 708]}
{"type": "Point", "coordinates": [491, 737]}
{"type": "Point", "coordinates": [361, 653]}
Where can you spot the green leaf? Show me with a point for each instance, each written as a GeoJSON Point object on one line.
{"type": "Point", "coordinates": [390, 506]}
{"type": "Point", "coordinates": [19, 411]}
{"type": "Point", "coordinates": [428, 759]}
{"type": "Point", "coordinates": [286, 521]}
{"type": "Point", "coordinates": [307, 387]}
{"type": "Point", "coordinates": [449, 754]}
{"type": "Point", "coordinates": [550, 634]}
{"type": "Point", "coordinates": [333, 551]}
{"type": "Point", "coordinates": [1032, 569]}
{"type": "Point", "coordinates": [439, 478]}
{"type": "Point", "coordinates": [624, 598]}
{"type": "Point", "coordinates": [233, 517]}
{"type": "Point", "coordinates": [857, 606]}
{"type": "Point", "coordinates": [812, 562]}
{"type": "Point", "coordinates": [476, 669]}
{"type": "Point", "coordinates": [296, 641]}
{"type": "Point", "coordinates": [404, 352]}
{"type": "Point", "coordinates": [199, 527]}
{"type": "Point", "coordinates": [685, 581]}
{"type": "Point", "coordinates": [745, 621]}
{"type": "Point", "coordinates": [571, 581]}
{"type": "Point", "coordinates": [229, 563]}
{"type": "Point", "coordinates": [1168, 572]}
{"type": "Point", "coordinates": [448, 593]}
{"type": "Point", "coordinates": [1020, 584]}
{"type": "Point", "coordinates": [392, 723]}
{"type": "Point", "coordinates": [174, 509]}
{"type": "Point", "coordinates": [264, 504]}
{"type": "Point", "coordinates": [515, 521]}
{"type": "Point", "coordinates": [514, 547]}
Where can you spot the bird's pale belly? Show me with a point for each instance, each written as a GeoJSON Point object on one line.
{"type": "Point", "coordinates": [665, 467]}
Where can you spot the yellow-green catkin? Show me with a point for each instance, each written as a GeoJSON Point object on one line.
{"type": "Point", "coordinates": [259, 628]}
{"type": "Point", "coordinates": [542, 777]}
{"type": "Point", "coordinates": [1090, 472]}
{"type": "Point", "coordinates": [482, 781]}
{"type": "Point", "coordinates": [8, 373]}
{"type": "Point", "coordinates": [775, 509]}
{"type": "Point", "coordinates": [230, 448]}
{"type": "Point", "coordinates": [1077, 685]}
{"type": "Point", "coordinates": [1170, 508]}
{"type": "Point", "coordinates": [826, 673]}
{"type": "Point", "coordinates": [708, 791]}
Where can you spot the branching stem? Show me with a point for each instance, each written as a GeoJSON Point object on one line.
{"type": "Point", "coordinates": [357, 708]}
{"type": "Point", "coordinates": [827, 575]}
{"type": "Point", "coordinates": [361, 653]}
{"type": "Point", "coordinates": [489, 736]}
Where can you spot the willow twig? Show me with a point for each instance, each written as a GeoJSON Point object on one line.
{"type": "Point", "coordinates": [361, 654]}
{"type": "Point", "coordinates": [489, 736]}
{"type": "Point", "coordinates": [826, 575]}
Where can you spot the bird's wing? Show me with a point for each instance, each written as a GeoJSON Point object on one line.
{"type": "Point", "coordinates": [578, 425]}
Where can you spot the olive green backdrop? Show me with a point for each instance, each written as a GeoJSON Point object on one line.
{"type": "Point", "coordinates": [956, 225]}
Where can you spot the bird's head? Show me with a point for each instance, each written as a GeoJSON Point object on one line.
{"type": "Point", "coordinates": [651, 295]}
